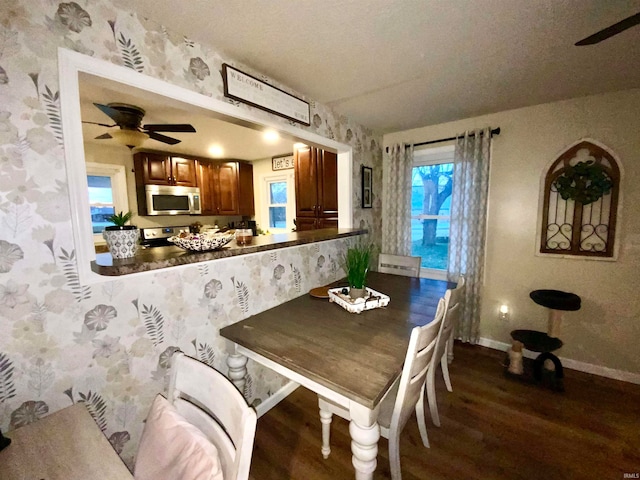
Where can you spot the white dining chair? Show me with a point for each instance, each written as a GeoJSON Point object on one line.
{"type": "Point", "coordinates": [453, 307]}
{"type": "Point", "coordinates": [399, 265]}
{"type": "Point", "coordinates": [204, 398]}
{"type": "Point", "coordinates": [406, 395]}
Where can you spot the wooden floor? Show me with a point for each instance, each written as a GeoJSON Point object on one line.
{"type": "Point", "coordinates": [492, 428]}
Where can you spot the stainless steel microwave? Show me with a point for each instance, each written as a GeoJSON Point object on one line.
{"type": "Point", "coordinates": [172, 200]}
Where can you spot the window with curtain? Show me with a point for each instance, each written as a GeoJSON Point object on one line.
{"type": "Point", "coordinates": [431, 188]}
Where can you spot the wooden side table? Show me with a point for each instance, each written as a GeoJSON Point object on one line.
{"type": "Point", "coordinates": [66, 445]}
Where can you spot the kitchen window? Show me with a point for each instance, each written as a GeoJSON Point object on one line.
{"type": "Point", "coordinates": [278, 208]}
{"type": "Point", "coordinates": [107, 195]}
{"type": "Point", "coordinates": [431, 188]}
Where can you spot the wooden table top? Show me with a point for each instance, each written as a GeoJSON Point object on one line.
{"type": "Point", "coordinates": [356, 355]}
{"type": "Point", "coordinates": [66, 445]}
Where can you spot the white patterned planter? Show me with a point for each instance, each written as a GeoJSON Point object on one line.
{"type": "Point", "coordinates": [122, 241]}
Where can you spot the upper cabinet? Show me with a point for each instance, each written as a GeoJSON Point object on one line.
{"type": "Point", "coordinates": [163, 169]}
{"type": "Point", "coordinates": [316, 174]}
{"type": "Point", "coordinates": [226, 188]}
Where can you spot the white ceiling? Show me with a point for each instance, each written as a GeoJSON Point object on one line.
{"type": "Point", "coordinates": [397, 64]}
{"type": "Point", "coordinates": [238, 142]}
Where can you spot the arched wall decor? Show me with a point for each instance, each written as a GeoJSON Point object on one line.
{"type": "Point", "coordinates": [581, 190]}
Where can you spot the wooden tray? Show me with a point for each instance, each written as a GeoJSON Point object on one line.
{"type": "Point", "coordinates": [319, 292]}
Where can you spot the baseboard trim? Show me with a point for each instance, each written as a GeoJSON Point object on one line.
{"type": "Point", "coordinates": [570, 363]}
{"type": "Point", "coordinates": [276, 398]}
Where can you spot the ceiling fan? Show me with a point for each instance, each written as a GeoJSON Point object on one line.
{"type": "Point", "coordinates": [132, 133]}
{"type": "Point", "coordinates": [610, 31]}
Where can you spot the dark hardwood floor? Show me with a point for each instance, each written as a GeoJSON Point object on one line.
{"type": "Point", "coordinates": [493, 428]}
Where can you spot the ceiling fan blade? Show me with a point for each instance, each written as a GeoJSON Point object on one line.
{"type": "Point", "coordinates": [610, 31]}
{"type": "Point", "coordinates": [169, 127]}
{"type": "Point", "coordinates": [112, 113]}
{"type": "Point", "coordinates": [101, 124]}
{"type": "Point", "coordinates": [104, 136]}
{"type": "Point", "coordinates": [163, 138]}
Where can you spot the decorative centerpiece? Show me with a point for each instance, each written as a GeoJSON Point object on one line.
{"type": "Point", "coordinates": [585, 182]}
{"type": "Point", "coordinates": [121, 239]}
{"type": "Point", "coordinates": [356, 264]}
{"type": "Point", "coordinates": [201, 242]}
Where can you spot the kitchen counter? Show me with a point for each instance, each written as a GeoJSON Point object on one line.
{"type": "Point", "coordinates": [163, 257]}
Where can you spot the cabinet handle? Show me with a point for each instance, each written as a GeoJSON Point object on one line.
{"type": "Point", "coordinates": [319, 208]}
{"type": "Point", "coordinates": [169, 179]}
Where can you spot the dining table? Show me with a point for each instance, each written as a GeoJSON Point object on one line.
{"type": "Point", "coordinates": [351, 359]}
{"type": "Point", "coordinates": [66, 445]}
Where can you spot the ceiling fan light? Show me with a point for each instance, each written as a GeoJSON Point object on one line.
{"type": "Point", "coordinates": [129, 138]}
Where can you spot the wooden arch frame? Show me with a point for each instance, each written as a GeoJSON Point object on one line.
{"type": "Point", "coordinates": [571, 228]}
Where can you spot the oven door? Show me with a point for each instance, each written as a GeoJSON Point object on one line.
{"type": "Point", "coordinates": [170, 200]}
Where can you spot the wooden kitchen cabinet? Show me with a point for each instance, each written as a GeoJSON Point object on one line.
{"type": "Point", "coordinates": [316, 178]}
{"type": "Point", "coordinates": [226, 188]}
{"type": "Point", "coordinates": [163, 169]}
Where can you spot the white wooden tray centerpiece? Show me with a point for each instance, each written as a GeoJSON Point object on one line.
{"type": "Point", "coordinates": [372, 299]}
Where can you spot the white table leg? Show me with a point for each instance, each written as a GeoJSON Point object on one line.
{"type": "Point", "coordinates": [325, 419]}
{"type": "Point", "coordinates": [237, 370]}
{"type": "Point", "coordinates": [364, 447]}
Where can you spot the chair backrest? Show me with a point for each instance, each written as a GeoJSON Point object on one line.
{"type": "Point", "coordinates": [208, 400]}
{"type": "Point", "coordinates": [399, 265]}
{"type": "Point", "coordinates": [416, 364]}
{"type": "Point", "coordinates": [453, 308]}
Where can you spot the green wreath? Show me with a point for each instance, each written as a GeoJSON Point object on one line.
{"type": "Point", "coordinates": [585, 182]}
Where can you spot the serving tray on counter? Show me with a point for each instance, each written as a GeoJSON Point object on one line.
{"type": "Point", "coordinates": [372, 299]}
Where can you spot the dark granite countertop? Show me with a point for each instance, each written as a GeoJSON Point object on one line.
{"type": "Point", "coordinates": [164, 257]}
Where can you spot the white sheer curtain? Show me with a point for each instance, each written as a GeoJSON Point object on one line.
{"type": "Point", "coordinates": [468, 224]}
{"type": "Point", "coordinates": [396, 200]}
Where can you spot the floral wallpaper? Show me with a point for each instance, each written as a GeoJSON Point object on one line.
{"type": "Point", "coordinates": [108, 344]}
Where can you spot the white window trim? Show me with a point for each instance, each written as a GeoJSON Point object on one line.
{"type": "Point", "coordinates": [291, 208]}
{"type": "Point", "coordinates": [425, 157]}
{"type": "Point", "coordinates": [118, 188]}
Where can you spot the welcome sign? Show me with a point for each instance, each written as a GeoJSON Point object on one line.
{"type": "Point", "coordinates": [245, 88]}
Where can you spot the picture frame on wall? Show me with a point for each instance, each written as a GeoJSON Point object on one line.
{"type": "Point", "coordinates": [367, 184]}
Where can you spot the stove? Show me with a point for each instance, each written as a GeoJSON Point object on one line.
{"type": "Point", "coordinates": [158, 236]}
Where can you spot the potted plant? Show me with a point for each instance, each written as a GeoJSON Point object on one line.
{"type": "Point", "coordinates": [356, 264]}
{"type": "Point", "coordinates": [121, 239]}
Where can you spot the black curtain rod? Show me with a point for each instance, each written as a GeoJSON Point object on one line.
{"type": "Point", "coordinates": [494, 132]}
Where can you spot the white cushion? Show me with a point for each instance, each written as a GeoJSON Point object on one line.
{"type": "Point", "coordinates": [173, 449]}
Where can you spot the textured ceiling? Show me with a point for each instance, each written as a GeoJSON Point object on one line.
{"type": "Point", "coordinates": [392, 65]}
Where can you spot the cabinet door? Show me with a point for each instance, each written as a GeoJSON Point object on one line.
{"type": "Point", "coordinates": [327, 222]}
{"type": "Point", "coordinates": [156, 168]}
{"type": "Point", "coordinates": [226, 188]}
{"type": "Point", "coordinates": [306, 175]}
{"type": "Point", "coordinates": [206, 182]}
{"type": "Point", "coordinates": [327, 184]}
{"type": "Point", "coordinates": [183, 171]}
{"type": "Point", "coordinates": [306, 223]}
{"type": "Point", "coordinates": [245, 195]}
